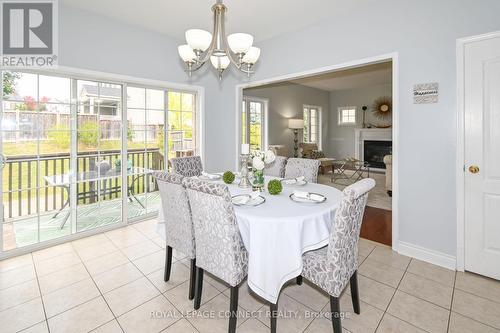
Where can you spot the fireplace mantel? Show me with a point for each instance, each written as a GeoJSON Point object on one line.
{"type": "Point", "coordinates": [376, 134]}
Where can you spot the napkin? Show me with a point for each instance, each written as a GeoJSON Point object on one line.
{"type": "Point", "coordinates": [294, 180]}
{"type": "Point", "coordinates": [308, 196]}
{"type": "Point", "coordinates": [243, 199]}
{"type": "Point", "coordinates": [209, 176]}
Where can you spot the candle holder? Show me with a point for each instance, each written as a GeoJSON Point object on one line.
{"type": "Point", "coordinates": [244, 182]}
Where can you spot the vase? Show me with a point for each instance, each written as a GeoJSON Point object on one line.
{"type": "Point", "coordinates": [258, 180]}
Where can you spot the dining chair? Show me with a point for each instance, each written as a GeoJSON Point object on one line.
{"type": "Point", "coordinates": [219, 247]}
{"type": "Point", "coordinates": [179, 232]}
{"type": "Point", "coordinates": [308, 168]}
{"type": "Point", "coordinates": [333, 266]}
{"type": "Point", "coordinates": [187, 166]}
{"type": "Point", "coordinates": [277, 168]}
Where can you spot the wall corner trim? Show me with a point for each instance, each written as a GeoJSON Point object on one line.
{"type": "Point", "coordinates": [427, 255]}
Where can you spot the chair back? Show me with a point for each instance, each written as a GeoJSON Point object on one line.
{"type": "Point", "coordinates": [187, 166]}
{"type": "Point", "coordinates": [179, 231]}
{"type": "Point", "coordinates": [297, 167]}
{"type": "Point", "coordinates": [219, 248]}
{"type": "Point", "coordinates": [277, 168]}
{"type": "Point", "coordinates": [342, 253]}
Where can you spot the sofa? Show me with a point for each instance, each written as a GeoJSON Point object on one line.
{"type": "Point", "coordinates": [388, 174]}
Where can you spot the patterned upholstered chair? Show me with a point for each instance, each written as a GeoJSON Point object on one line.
{"type": "Point", "coordinates": [187, 166]}
{"type": "Point", "coordinates": [333, 266]}
{"type": "Point", "coordinates": [277, 168]}
{"type": "Point", "coordinates": [296, 167]}
{"type": "Point", "coordinates": [179, 231]}
{"type": "Point", "coordinates": [219, 247]}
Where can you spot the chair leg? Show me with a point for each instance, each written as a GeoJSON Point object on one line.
{"type": "Point", "coordinates": [335, 310]}
{"type": "Point", "coordinates": [192, 278]}
{"type": "Point", "coordinates": [168, 264]}
{"type": "Point", "coordinates": [274, 314]}
{"type": "Point", "coordinates": [299, 280]}
{"type": "Point", "coordinates": [199, 288]}
{"type": "Point", "coordinates": [233, 309]}
{"type": "Point", "coordinates": [355, 292]}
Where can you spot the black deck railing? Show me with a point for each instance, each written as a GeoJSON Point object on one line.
{"type": "Point", "coordinates": [26, 192]}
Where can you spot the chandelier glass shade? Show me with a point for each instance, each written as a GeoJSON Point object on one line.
{"type": "Point", "coordinates": [221, 50]}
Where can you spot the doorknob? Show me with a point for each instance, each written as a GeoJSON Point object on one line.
{"type": "Point", "coordinates": [473, 169]}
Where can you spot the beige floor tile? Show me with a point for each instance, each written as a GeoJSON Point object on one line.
{"type": "Point", "coordinates": [366, 321]}
{"type": "Point", "coordinates": [159, 241]}
{"type": "Point", "coordinates": [477, 308]}
{"type": "Point", "coordinates": [90, 241]}
{"type": "Point", "coordinates": [62, 278]}
{"type": "Point", "coordinates": [386, 255]}
{"type": "Point", "coordinates": [16, 262]}
{"type": "Point", "coordinates": [253, 325]}
{"type": "Point", "coordinates": [140, 250]}
{"type": "Point", "coordinates": [89, 252]}
{"type": "Point", "coordinates": [428, 290]}
{"type": "Point", "coordinates": [69, 297]}
{"type": "Point", "coordinates": [307, 294]}
{"type": "Point", "coordinates": [18, 294]}
{"type": "Point", "coordinates": [152, 262]}
{"type": "Point", "coordinates": [140, 319]}
{"type": "Point", "coordinates": [178, 274]}
{"type": "Point", "coordinates": [390, 324]}
{"type": "Point", "coordinates": [37, 328]}
{"type": "Point", "coordinates": [22, 316]}
{"type": "Point", "coordinates": [83, 318]}
{"type": "Point", "coordinates": [215, 320]}
{"type": "Point", "coordinates": [182, 326]}
{"type": "Point", "coordinates": [117, 277]}
{"type": "Point", "coordinates": [374, 293]}
{"type": "Point", "coordinates": [52, 252]}
{"type": "Point", "coordinates": [57, 263]}
{"type": "Point", "coordinates": [215, 282]}
{"type": "Point", "coordinates": [178, 296]}
{"type": "Point", "coordinates": [432, 272]}
{"type": "Point", "coordinates": [460, 324]}
{"type": "Point", "coordinates": [478, 285]}
{"type": "Point", "coordinates": [16, 276]}
{"type": "Point", "coordinates": [105, 263]}
{"type": "Point", "coordinates": [381, 272]}
{"type": "Point", "coordinates": [365, 247]}
{"type": "Point", "coordinates": [129, 296]}
{"type": "Point", "coordinates": [147, 228]}
{"type": "Point", "coordinates": [125, 237]}
{"type": "Point", "coordinates": [109, 327]}
{"type": "Point", "coordinates": [248, 299]}
{"type": "Point", "coordinates": [293, 316]}
{"type": "Point", "coordinates": [419, 313]}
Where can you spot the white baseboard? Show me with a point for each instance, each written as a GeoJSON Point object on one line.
{"type": "Point", "coordinates": [430, 256]}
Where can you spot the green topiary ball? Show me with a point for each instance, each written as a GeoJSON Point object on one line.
{"type": "Point", "coordinates": [228, 177]}
{"type": "Point", "coordinates": [274, 187]}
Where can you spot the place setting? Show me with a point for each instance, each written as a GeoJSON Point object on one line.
{"type": "Point", "coordinates": [298, 181]}
{"type": "Point", "coordinates": [307, 197]}
{"type": "Point", "coordinates": [252, 199]}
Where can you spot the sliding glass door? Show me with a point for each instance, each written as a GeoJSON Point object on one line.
{"type": "Point", "coordinates": [79, 154]}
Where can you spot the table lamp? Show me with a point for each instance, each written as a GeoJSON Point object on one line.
{"type": "Point", "coordinates": [295, 124]}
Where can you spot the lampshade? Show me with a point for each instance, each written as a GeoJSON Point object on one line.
{"type": "Point", "coordinates": [252, 55]}
{"type": "Point", "coordinates": [220, 62]}
{"type": "Point", "coordinates": [186, 53]}
{"type": "Point", "coordinates": [198, 39]}
{"type": "Point", "coordinates": [240, 42]}
{"type": "Point", "coordinates": [295, 123]}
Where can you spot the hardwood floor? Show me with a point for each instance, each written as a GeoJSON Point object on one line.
{"type": "Point", "coordinates": [377, 225]}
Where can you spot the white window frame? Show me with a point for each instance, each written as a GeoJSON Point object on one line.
{"type": "Point", "coordinates": [319, 116]}
{"type": "Point", "coordinates": [264, 121]}
{"type": "Point", "coordinates": [345, 108]}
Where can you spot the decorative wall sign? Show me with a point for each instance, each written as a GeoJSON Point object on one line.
{"type": "Point", "coordinates": [425, 93]}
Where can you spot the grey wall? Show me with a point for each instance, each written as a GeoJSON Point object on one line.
{"type": "Point", "coordinates": [286, 101]}
{"type": "Point", "coordinates": [341, 138]}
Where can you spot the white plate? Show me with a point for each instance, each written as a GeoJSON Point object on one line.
{"type": "Point", "coordinates": [288, 181]}
{"type": "Point", "coordinates": [217, 177]}
{"type": "Point", "coordinates": [252, 202]}
{"type": "Point", "coordinates": [304, 200]}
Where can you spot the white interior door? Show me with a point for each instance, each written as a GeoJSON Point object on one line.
{"type": "Point", "coordinates": [482, 157]}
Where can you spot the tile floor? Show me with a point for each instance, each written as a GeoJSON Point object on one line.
{"type": "Point", "coordinates": [113, 282]}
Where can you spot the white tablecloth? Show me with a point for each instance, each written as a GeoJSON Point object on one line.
{"type": "Point", "coordinates": [278, 232]}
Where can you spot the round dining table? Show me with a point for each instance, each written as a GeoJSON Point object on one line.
{"type": "Point", "coordinates": [277, 232]}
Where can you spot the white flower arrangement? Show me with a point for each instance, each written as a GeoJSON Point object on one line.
{"type": "Point", "coordinates": [260, 159]}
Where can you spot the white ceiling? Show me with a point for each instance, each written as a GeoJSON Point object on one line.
{"type": "Point", "coordinates": [262, 18]}
{"type": "Point", "coordinates": [350, 78]}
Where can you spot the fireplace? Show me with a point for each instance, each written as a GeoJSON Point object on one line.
{"type": "Point", "coordinates": [374, 152]}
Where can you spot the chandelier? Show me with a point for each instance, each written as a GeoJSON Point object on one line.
{"type": "Point", "coordinates": [202, 45]}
